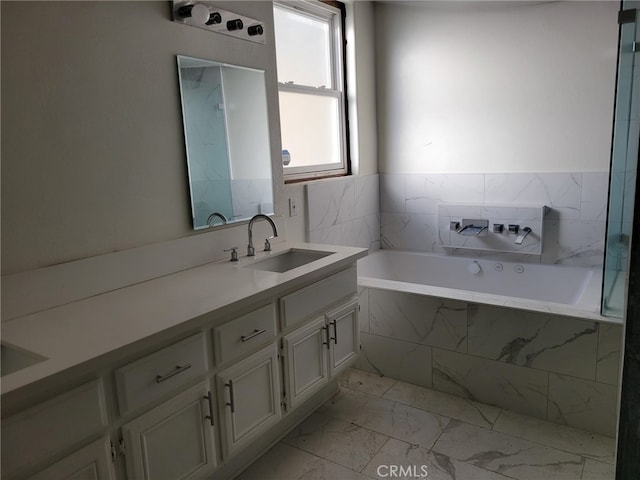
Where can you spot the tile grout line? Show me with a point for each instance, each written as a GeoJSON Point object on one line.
{"type": "Point", "coordinates": [374, 455]}
{"type": "Point", "coordinates": [431, 449]}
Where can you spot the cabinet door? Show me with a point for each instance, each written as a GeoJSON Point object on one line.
{"type": "Point", "coordinates": [305, 365]}
{"type": "Point", "coordinates": [344, 333]}
{"type": "Point", "coordinates": [174, 440]}
{"type": "Point", "coordinates": [92, 462]}
{"type": "Point", "coordinates": [249, 398]}
{"type": "Point", "coordinates": [59, 424]}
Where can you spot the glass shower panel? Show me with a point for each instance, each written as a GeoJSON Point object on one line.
{"type": "Point", "coordinates": [624, 164]}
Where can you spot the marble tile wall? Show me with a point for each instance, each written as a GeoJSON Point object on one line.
{"type": "Point", "coordinates": [531, 217]}
{"type": "Point", "coordinates": [251, 196]}
{"type": "Point", "coordinates": [574, 227]}
{"type": "Point", "coordinates": [556, 368]}
{"type": "Point", "coordinates": [344, 211]}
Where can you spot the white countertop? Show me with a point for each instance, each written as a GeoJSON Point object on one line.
{"type": "Point", "coordinates": [72, 334]}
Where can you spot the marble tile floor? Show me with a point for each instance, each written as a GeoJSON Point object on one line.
{"type": "Point", "coordinates": [380, 428]}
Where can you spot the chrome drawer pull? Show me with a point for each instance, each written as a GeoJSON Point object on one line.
{"type": "Point", "coordinates": [335, 332]}
{"type": "Point", "coordinates": [210, 399]}
{"type": "Point", "coordinates": [230, 403]}
{"type": "Point", "coordinates": [255, 333]}
{"type": "Point", "coordinates": [176, 371]}
{"type": "Point", "coordinates": [328, 342]}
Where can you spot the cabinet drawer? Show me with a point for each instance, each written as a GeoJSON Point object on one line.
{"type": "Point", "coordinates": [244, 333]}
{"type": "Point", "coordinates": [315, 298]}
{"type": "Point", "coordinates": [46, 429]}
{"type": "Point", "coordinates": [161, 372]}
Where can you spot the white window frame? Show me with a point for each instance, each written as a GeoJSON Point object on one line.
{"type": "Point", "coordinates": [332, 15]}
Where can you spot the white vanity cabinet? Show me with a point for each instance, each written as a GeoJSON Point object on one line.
{"type": "Point", "coordinates": [220, 388]}
{"type": "Point", "coordinates": [248, 399]}
{"type": "Point", "coordinates": [322, 319]}
{"type": "Point", "coordinates": [318, 351]}
{"type": "Point", "coordinates": [174, 440]}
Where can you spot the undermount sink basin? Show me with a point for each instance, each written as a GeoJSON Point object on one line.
{"type": "Point", "coordinates": [13, 359]}
{"type": "Point", "coordinates": [288, 260]}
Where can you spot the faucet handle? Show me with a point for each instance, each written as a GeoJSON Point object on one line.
{"type": "Point", "coordinates": [234, 253]}
{"type": "Point", "coordinates": [267, 243]}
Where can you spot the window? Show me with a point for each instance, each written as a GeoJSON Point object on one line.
{"type": "Point", "coordinates": [309, 48]}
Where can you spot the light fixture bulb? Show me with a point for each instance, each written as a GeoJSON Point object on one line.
{"type": "Point", "coordinates": [200, 14]}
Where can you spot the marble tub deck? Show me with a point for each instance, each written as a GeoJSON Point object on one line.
{"type": "Point", "coordinates": [375, 422]}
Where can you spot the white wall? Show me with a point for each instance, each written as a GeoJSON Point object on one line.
{"type": "Point", "coordinates": [495, 87]}
{"type": "Point", "coordinates": [361, 78]}
{"type": "Point", "coordinates": [93, 157]}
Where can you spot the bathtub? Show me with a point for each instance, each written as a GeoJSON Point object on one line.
{"type": "Point", "coordinates": [562, 290]}
{"type": "Point", "coordinates": [523, 337]}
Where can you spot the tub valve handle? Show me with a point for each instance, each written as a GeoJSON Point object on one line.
{"type": "Point", "coordinates": [474, 267]}
{"type": "Point", "coordinates": [523, 233]}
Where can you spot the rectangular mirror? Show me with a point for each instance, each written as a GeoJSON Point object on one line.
{"type": "Point", "coordinates": [224, 113]}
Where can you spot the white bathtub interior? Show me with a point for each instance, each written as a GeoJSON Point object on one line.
{"type": "Point", "coordinates": [454, 276]}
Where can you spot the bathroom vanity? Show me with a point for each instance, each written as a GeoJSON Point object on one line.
{"type": "Point", "coordinates": [191, 375]}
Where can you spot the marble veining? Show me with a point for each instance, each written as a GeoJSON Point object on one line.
{"type": "Point", "coordinates": [583, 404]}
{"type": "Point", "coordinates": [608, 361]}
{"type": "Point", "coordinates": [561, 191]}
{"type": "Point", "coordinates": [444, 404]}
{"type": "Point", "coordinates": [509, 386]}
{"type": "Point", "coordinates": [344, 211]}
{"type": "Point", "coordinates": [526, 361]}
{"type": "Point", "coordinates": [419, 319]}
{"type": "Point", "coordinates": [574, 227]}
{"type": "Point", "coordinates": [511, 446]}
{"type": "Point", "coordinates": [530, 339]}
{"type": "Point", "coordinates": [338, 205]}
{"type": "Point", "coordinates": [514, 348]}
{"type": "Point", "coordinates": [422, 461]}
{"type": "Point", "coordinates": [517, 458]}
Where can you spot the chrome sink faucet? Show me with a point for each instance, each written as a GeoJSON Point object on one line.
{"type": "Point", "coordinates": [212, 217]}
{"type": "Point", "coordinates": [267, 246]}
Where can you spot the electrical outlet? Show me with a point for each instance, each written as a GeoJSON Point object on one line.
{"type": "Point", "coordinates": [293, 207]}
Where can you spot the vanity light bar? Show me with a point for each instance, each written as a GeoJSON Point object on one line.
{"type": "Point", "coordinates": [209, 17]}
